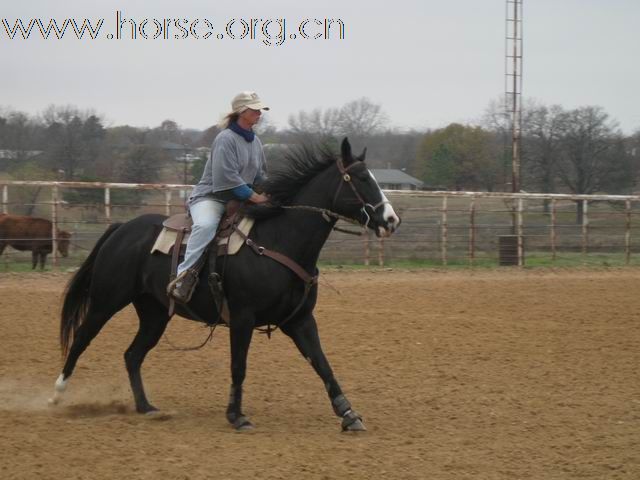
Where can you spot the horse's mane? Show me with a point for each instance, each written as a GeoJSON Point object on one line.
{"type": "Point", "coordinates": [299, 166]}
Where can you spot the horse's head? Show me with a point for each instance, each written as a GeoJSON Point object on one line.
{"type": "Point", "coordinates": [63, 242]}
{"type": "Point", "coordinates": [359, 196]}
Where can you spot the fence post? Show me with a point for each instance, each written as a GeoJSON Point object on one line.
{"type": "Point", "coordinates": [167, 202]}
{"type": "Point", "coordinates": [5, 199]}
{"type": "Point", "coordinates": [585, 229]}
{"type": "Point", "coordinates": [367, 250]}
{"type": "Point", "coordinates": [381, 252]}
{"type": "Point", "coordinates": [554, 220]}
{"type": "Point", "coordinates": [472, 231]}
{"type": "Point", "coordinates": [445, 232]}
{"type": "Point", "coordinates": [627, 234]}
{"type": "Point", "coordinates": [107, 204]}
{"type": "Point", "coordinates": [520, 233]}
{"type": "Point", "coordinates": [54, 224]}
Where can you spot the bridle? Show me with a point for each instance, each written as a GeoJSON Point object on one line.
{"type": "Point", "coordinates": [329, 214]}
{"type": "Point", "coordinates": [346, 178]}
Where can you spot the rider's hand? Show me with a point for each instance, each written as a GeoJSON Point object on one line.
{"type": "Point", "coordinates": [259, 198]}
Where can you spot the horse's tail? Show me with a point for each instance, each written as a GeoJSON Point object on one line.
{"type": "Point", "coordinates": [76, 295]}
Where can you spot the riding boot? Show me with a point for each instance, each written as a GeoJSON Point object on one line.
{"type": "Point", "coordinates": [181, 289]}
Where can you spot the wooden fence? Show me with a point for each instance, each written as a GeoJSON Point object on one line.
{"type": "Point", "coordinates": [441, 227]}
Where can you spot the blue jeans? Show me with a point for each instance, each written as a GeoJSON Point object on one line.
{"type": "Point", "coordinates": [206, 215]}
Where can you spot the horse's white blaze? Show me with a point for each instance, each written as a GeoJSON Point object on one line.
{"type": "Point", "coordinates": [388, 213]}
{"type": "Point", "coordinates": [61, 386]}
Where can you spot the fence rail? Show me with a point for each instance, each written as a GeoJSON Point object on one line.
{"type": "Point", "coordinates": [439, 227]}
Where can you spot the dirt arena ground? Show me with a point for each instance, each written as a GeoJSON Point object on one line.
{"type": "Point", "coordinates": [458, 375]}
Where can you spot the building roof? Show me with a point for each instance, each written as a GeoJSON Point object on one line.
{"type": "Point", "coordinates": [391, 175]}
{"type": "Point", "coordinates": [174, 146]}
{"type": "Point", "coordinates": [13, 154]}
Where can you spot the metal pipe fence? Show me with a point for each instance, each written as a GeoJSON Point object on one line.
{"type": "Point", "coordinates": [439, 228]}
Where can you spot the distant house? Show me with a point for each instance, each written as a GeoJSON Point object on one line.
{"type": "Point", "coordinates": [202, 152]}
{"type": "Point", "coordinates": [392, 179]}
{"type": "Point", "coordinates": [176, 150]}
{"type": "Point", "coordinates": [14, 154]}
{"type": "Point", "coordinates": [183, 153]}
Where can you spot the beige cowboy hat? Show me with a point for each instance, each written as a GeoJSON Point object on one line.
{"type": "Point", "coordinates": [242, 102]}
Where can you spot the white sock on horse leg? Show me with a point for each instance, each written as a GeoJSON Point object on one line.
{"type": "Point", "coordinates": [60, 387]}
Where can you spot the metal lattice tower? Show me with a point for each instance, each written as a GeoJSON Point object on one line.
{"type": "Point", "coordinates": [513, 84]}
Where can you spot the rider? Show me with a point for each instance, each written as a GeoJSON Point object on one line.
{"type": "Point", "coordinates": [236, 163]}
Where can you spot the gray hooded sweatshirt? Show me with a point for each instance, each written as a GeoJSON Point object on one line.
{"type": "Point", "coordinates": [233, 162]}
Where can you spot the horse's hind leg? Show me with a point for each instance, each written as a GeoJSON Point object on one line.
{"type": "Point", "coordinates": [86, 332]}
{"type": "Point", "coordinates": [153, 321]}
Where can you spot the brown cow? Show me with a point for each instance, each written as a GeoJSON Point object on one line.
{"type": "Point", "coordinates": [31, 233]}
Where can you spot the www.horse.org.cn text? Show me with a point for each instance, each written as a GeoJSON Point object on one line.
{"type": "Point", "coordinates": [268, 31]}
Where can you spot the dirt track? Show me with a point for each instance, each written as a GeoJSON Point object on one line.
{"type": "Point", "coordinates": [459, 375]}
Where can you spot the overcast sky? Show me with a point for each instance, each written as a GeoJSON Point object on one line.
{"type": "Point", "coordinates": [428, 63]}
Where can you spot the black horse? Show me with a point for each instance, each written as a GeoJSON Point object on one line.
{"type": "Point", "coordinates": [308, 196]}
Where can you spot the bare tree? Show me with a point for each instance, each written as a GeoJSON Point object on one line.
{"type": "Point", "coordinates": [392, 149]}
{"type": "Point", "coordinates": [141, 164]}
{"type": "Point", "coordinates": [633, 148]}
{"type": "Point", "coordinates": [265, 128]}
{"type": "Point", "coordinates": [20, 137]}
{"type": "Point", "coordinates": [318, 124]}
{"type": "Point", "coordinates": [542, 127]}
{"type": "Point", "coordinates": [535, 166]}
{"type": "Point", "coordinates": [208, 136]}
{"type": "Point", "coordinates": [73, 138]}
{"type": "Point", "coordinates": [361, 118]}
{"type": "Point", "coordinates": [357, 119]}
{"type": "Point", "coordinates": [592, 154]}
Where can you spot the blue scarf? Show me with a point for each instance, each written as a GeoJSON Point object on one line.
{"type": "Point", "coordinates": [248, 135]}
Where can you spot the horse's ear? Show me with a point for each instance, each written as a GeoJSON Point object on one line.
{"type": "Point", "coordinates": [345, 150]}
{"type": "Point", "coordinates": [362, 156]}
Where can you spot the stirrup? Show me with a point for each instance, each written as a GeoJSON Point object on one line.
{"type": "Point", "coordinates": [182, 287]}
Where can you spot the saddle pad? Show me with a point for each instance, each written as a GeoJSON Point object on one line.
{"type": "Point", "coordinates": [167, 238]}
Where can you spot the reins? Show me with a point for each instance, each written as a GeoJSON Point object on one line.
{"type": "Point", "coordinates": [327, 214]}
{"type": "Point", "coordinates": [212, 329]}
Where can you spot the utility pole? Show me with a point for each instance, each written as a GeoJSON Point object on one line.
{"type": "Point", "coordinates": [513, 84]}
{"type": "Point", "coordinates": [513, 111]}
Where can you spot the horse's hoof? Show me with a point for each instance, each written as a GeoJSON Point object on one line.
{"type": "Point", "coordinates": [242, 424]}
{"type": "Point", "coordinates": [156, 414]}
{"type": "Point", "coordinates": [53, 401]}
{"type": "Point", "coordinates": [356, 426]}
{"type": "Point", "coordinates": [146, 409]}
{"type": "Point", "coordinates": [352, 422]}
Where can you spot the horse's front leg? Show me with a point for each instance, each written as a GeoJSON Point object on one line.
{"type": "Point", "coordinates": [305, 335]}
{"type": "Point", "coordinates": [241, 334]}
